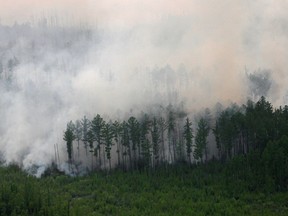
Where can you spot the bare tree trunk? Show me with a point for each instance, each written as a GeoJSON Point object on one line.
{"type": "Point", "coordinates": [163, 147]}
{"type": "Point", "coordinates": [78, 148]}
{"type": "Point", "coordinates": [169, 149]}
{"type": "Point", "coordinates": [104, 158]}
{"type": "Point", "coordinates": [109, 163]}
{"type": "Point", "coordinates": [99, 155]}
{"type": "Point", "coordinates": [92, 160]}
{"type": "Point", "coordinates": [118, 152]}
{"type": "Point", "coordinates": [58, 153]}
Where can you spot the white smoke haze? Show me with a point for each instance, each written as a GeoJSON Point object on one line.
{"type": "Point", "coordinates": [72, 58]}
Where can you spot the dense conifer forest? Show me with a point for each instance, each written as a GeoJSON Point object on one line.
{"type": "Point", "coordinates": [150, 175]}
{"type": "Point", "coordinates": [255, 133]}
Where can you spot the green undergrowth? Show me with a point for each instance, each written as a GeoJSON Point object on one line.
{"type": "Point", "coordinates": [174, 190]}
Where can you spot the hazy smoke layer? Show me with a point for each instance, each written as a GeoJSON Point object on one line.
{"type": "Point", "coordinates": [66, 59]}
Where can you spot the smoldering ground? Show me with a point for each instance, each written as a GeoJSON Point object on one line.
{"type": "Point", "coordinates": [61, 60]}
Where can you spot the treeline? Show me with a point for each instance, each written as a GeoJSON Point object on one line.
{"type": "Point", "coordinates": [152, 140]}
{"type": "Point", "coordinates": [239, 130]}
{"type": "Point", "coordinates": [143, 142]}
{"type": "Point", "coordinates": [253, 138]}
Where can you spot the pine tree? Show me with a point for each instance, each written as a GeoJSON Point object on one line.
{"type": "Point", "coordinates": [134, 135]}
{"type": "Point", "coordinates": [162, 127]}
{"type": "Point", "coordinates": [171, 130]}
{"type": "Point", "coordinates": [117, 130]}
{"type": "Point", "coordinates": [108, 137]}
{"type": "Point", "coordinates": [85, 128]}
{"type": "Point", "coordinates": [155, 141]}
{"type": "Point", "coordinates": [216, 133]}
{"type": "Point", "coordinates": [201, 140]}
{"type": "Point", "coordinates": [97, 125]}
{"type": "Point", "coordinates": [90, 140]}
{"type": "Point", "coordinates": [188, 135]}
{"type": "Point", "coordinates": [125, 143]}
{"type": "Point", "coordinates": [78, 134]}
{"type": "Point", "coordinates": [145, 143]}
{"type": "Point", "coordinates": [69, 137]}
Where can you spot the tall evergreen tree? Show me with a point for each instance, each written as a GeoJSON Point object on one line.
{"type": "Point", "coordinates": [134, 135]}
{"type": "Point", "coordinates": [162, 128]}
{"type": "Point", "coordinates": [125, 144]}
{"type": "Point", "coordinates": [226, 134]}
{"type": "Point", "coordinates": [171, 130]}
{"type": "Point", "coordinates": [69, 137]}
{"type": "Point", "coordinates": [97, 125]}
{"type": "Point", "coordinates": [145, 142]}
{"type": "Point", "coordinates": [155, 140]}
{"type": "Point", "coordinates": [90, 140]}
{"type": "Point", "coordinates": [78, 134]}
{"type": "Point", "coordinates": [201, 140]}
{"type": "Point", "coordinates": [117, 130]}
{"type": "Point", "coordinates": [85, 128]}
{"type": "Point", "coordinates": [188, 135]}
{"type": "Point", "coordinates": [108, 141]}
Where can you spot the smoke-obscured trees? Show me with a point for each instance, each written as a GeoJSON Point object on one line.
{"type": "Point", "coordinates": [145, 125]}
{"type": "Point", "coordinates": [188, 135]}
{"type": "Point", "coordinates": [78, 135]}
{"type": "Point", "coordinates": [155, 141]}
{"type": "Point", "coordinates": [134, 135]}
{"type": "Point", "coordinates": [259, 83]}
{"type": "Point", "coordinates": [85, 128]}
{"type": "Point", "coordinates": [149, 141]}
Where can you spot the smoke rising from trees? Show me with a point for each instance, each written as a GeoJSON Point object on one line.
{"type": "Point", "coordinates": [61, 61]}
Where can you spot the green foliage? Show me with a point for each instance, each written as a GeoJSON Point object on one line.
{"type": "Point", "coordinates": [145, 142]}
{"type": "Point", "coordinates": [108, 137]}
{"type": "Point", "coordinates": [69, 137]}
{"type": "Point", "coordinates": [85, 128]}
{"type": "Point", "coordinates": [275, 158]}
{"type": "Point", "coordinates": [155, 140]}
{"type": "Point", "coordinates": [207, 189]}
{"type": "Point", "coordinates": [201, 139]}
{"type": "Point", "coordinates": [188, 138]}
{"type": "Point", "coordinates": [252, 147]}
